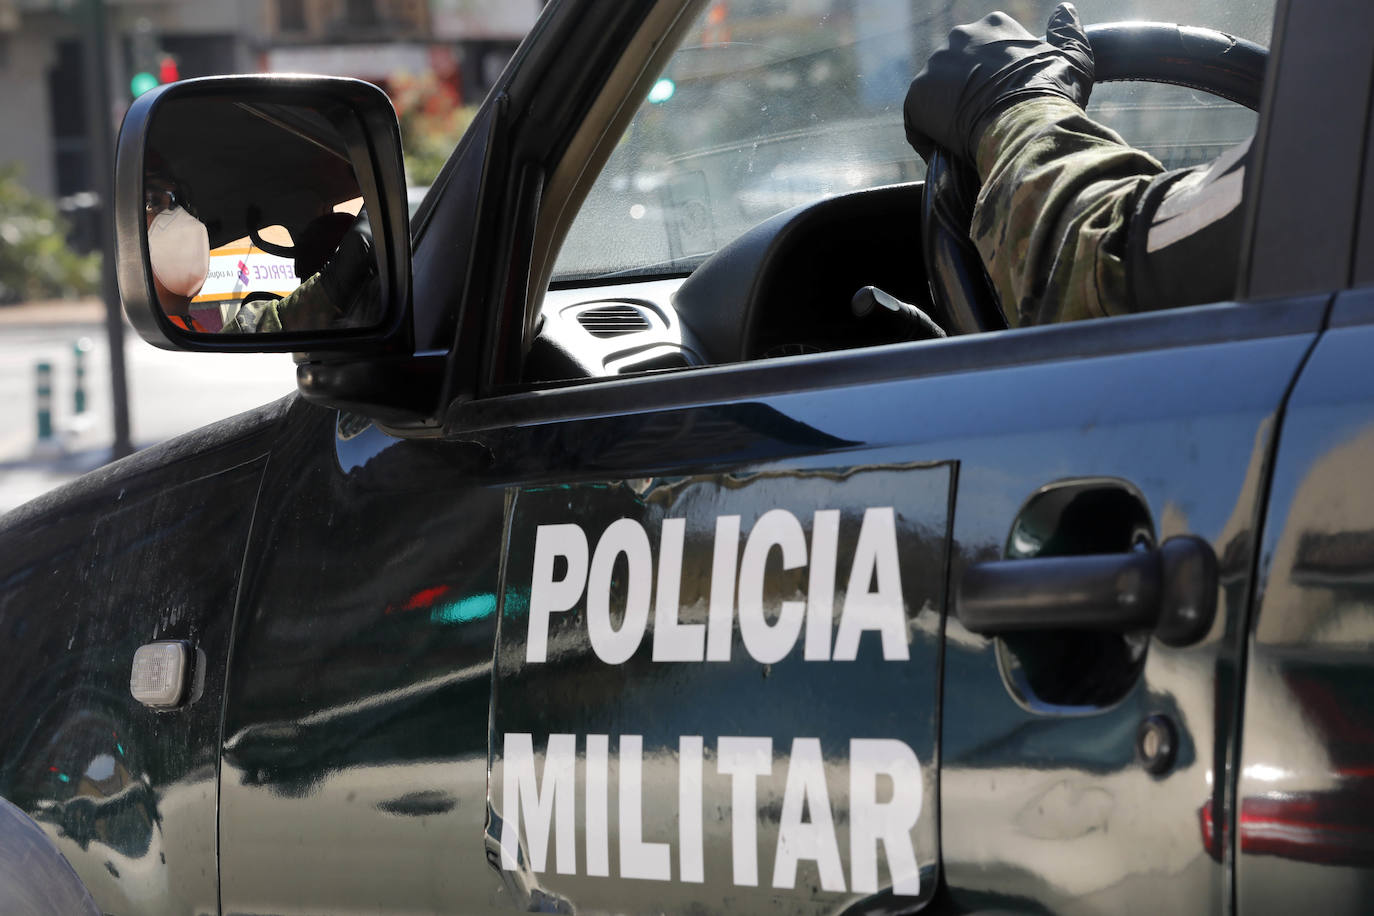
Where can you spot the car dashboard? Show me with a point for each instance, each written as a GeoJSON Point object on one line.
{"type": "Point", "coordinates": [783, 288]}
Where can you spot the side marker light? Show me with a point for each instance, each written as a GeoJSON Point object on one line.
{"type": "Point", "coordinates": [161, 673]}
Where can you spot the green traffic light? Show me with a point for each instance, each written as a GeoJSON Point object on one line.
{"type": "Point", "coordinates": [141, 83]}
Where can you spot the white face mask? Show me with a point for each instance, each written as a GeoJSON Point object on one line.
{"type": "Point", "coordinates": [179, 248]}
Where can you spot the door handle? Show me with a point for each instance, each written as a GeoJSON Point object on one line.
{"type": "Point", "coordinates": [1170, 590]}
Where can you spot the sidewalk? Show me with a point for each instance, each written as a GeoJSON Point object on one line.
{"type": "Point", "coordinates": [53, 312]}
{"type": "Point", "coordinates": [170, 393]}
{"type": "Point", "coordinates": [26, 469]}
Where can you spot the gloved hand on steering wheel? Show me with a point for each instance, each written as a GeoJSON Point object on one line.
{"type": "Point", "coordinates": [988, 65]}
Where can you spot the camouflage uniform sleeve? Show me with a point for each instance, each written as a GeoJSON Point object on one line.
{"type": "Point", "coordinates": [1051, 222]}
{"type": "Point", "coordinates": [308, 306]}
{"type": "Point", "coordinates": [345, 292]}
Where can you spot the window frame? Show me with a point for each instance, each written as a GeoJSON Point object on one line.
{"type": "Point", "coordinates": [1192, 326]}
{"type": "Point", "coordinates": [1309, 151]}
{"type": "Point", "coordinates": [547, 180]}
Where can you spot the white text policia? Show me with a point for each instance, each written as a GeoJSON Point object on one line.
{"type": "Point", "coordinates": [738, 585]}
{"type": "Point", "coordinates": [884, 775]}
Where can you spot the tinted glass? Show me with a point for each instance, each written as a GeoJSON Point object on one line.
{"type": "Point", "coordinates": [769, 104]}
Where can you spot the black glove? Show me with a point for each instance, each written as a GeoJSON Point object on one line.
{"type": "Point", "coordinates": [986, 66]}
{"type": "Point", "coordinates": [352, 264]}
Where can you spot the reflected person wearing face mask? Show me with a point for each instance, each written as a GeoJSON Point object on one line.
{"type": "Point", "coordinates": [341, 292]}
{"type": "Point", "coordinates": [178, 248]}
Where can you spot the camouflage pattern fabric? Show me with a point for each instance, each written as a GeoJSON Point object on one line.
{"type": "Point", "coordinates": [1059, 195]}
{"type": "Point", "coordinates": [1073, 223]}
{"type": "Point", "coordinates": [345, 292]}
{"type": "Point", "coordinates": [307, 306]}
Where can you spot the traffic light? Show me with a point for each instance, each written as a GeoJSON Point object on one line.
{"type": "Point", "coordinates": [167, 72]}
{"type": "Point", "coordinates": [142, 82]}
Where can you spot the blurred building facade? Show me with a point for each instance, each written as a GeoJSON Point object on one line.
{"type": "Point", "coordinates": [463, 43]}
{"type": "Point", "coordinates": [43, 66]}
{"type": "Point", "coordinates": [45, 107]}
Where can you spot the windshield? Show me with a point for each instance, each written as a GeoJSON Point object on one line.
{"type": "Point", "coordinates": [770, 104]}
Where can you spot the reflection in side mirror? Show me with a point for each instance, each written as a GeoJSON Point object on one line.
{"type": "Point", "coordinates": [255, 220]}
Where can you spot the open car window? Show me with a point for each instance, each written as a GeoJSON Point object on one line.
{"type": "Point", "coordinates": [772, 104]}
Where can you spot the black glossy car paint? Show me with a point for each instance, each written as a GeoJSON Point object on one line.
{"type": "Point", "coordinates": [858, 550]}
{"type": "Point", "coordinates": [358, 702]}
{"type": "Point", "coordinates": [1307, 758]}
{"type": "Point", "coordinates": [146, 549]}
{"type": "Point", "coordinates": [362, 603]}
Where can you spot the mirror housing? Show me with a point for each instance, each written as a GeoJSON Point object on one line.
{"type": "Point", "coordinates": [185, 116]}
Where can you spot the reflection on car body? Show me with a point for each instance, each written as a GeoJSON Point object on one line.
{"type": "Point", "coordinates": [619, 564]}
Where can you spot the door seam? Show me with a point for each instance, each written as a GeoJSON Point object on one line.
{"type": "Point", "coordinates": [1230, 822]}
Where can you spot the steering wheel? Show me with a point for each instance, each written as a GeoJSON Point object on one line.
{"type": "Point", "coordinates": [1204, 59]}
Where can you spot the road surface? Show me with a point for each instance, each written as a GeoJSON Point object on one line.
{"type": "Point", "coordinates": [170, 393]}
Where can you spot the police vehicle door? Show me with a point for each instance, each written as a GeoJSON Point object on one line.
{"type": "Point", "coordinates": [718, 666]}
{"type": "Point", "coordinates": [730, 669]}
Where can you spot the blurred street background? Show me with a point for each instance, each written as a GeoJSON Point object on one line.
{"type": "Point", "coordinates": [169, 393]}
{"type": "Point", "coordinates": [809, 118]}
{"type": "Point", "coordinates": [70, 69]}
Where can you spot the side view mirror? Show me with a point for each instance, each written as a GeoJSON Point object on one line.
{"type": "Point", "coordinates": [264, 213]}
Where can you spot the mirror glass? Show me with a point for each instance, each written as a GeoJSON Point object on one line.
{"type": "Point", "coordinates": [255, 219]}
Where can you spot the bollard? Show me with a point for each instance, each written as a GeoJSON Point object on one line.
{"type": "Point", "coordinates": [44, 400]}
{"type": "Point", "coordinates": [79, 351]}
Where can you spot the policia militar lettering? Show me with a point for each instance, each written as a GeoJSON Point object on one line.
{"type": "Point", "coordinates": [1071, 222]}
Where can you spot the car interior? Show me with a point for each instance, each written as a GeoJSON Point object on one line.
{"type": "Point", "coordinates": [808, 229]}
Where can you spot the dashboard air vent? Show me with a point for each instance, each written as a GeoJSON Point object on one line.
{"type": "Point", "coordinates": [613, 320]}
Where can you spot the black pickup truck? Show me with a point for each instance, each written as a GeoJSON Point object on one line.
{"type": "Point", "coordinates": [630, 546]}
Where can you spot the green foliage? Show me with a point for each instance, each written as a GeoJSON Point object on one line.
{"type": "Point", "coordinates": [431, 123]}
{"type": "Point", "coordinates": [35, 261]}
